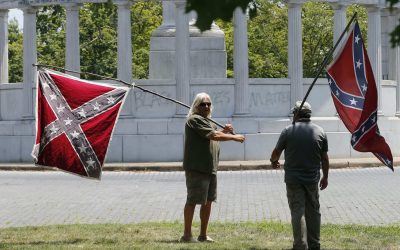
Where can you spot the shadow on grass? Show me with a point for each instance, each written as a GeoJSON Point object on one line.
{"type": "Point", "coordinates": [43, 243]}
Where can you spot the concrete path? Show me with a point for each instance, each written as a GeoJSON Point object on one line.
{"type": "Point", "coordinates": [368, 196]}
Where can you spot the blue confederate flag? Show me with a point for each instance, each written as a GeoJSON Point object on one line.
{"type": "Point", "coordinates": [354, 94]}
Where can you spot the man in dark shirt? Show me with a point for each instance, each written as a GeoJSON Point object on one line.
{"type": "Point", "coordinates": [306, 148]}
{"type": "Point", "coordinates": [200, 162]}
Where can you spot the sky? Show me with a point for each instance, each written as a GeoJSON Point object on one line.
{"type": "Point", "coordinates": [18, 15]}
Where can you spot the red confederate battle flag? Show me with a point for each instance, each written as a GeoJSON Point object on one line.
{"type": "Point", "coordinates": [74, 122]}
{"type": "Point", "coordinates": [354, 94]}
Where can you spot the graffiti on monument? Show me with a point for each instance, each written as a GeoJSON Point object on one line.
{"type": "Point", "coordinates": [269, 99]}
{"type": "Point", "coordinates": [147, 100]}
{"type": "Point", "coordinates": [218, 96]}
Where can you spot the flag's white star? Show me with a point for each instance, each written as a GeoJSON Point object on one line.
{"type": "Point", "coordinates": [364, 87]}
{"type": "Point", "coordinates": [388, 162]}
{"type": "Point", "coordinates": [74, 134]}
{"type": "Point", "coordinates": [363, 129]}
{"type": "Point", "coordinates": [60, 109]}
{"type": "Point", "coordinates": [53, 97]}
{"type": "Point", "coordinates": [90, 163]}
{"type": "Point", "coordinates": [337, 92]}
{"type": "Point", "coordinates": [82, 113]}
{"type": "Point", "coordinates": [54, 129]}
{"type": "Point", "coordinates": [358, 64]}
{"type": "Point", "coordinates": [357, 39]}
{"type": "Point", "coordinates": [353, 102]}
{"type": "Point", "coordinates": [67, 122]}
{"type": "Point", "coordinates": [43, 140]}
{"type": "Point", "coordinates": [354, 138]}
{"type": "Point", "coordinates": [330, 81]}
{"type": "Point", "coordinates": [111, 100]}
{"type": "Point", "coordinates": [82, 149]}
{"type": "Point", "coordinates": [45, 85]}
{"type": "Point", "coordinates": [96, 106]}
{"type": "Point", "coordinates": [373, 119]}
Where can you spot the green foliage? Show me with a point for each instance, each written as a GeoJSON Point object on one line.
{"type": "Point", "coordinates": [268, 38]}
{"type": "Point", "coordinates": [267, 41]}
{"type": "Point", "coordinates": [50, 29]}
{"type": "Point", "coordinates": [14, 52]}
{"type": "Point", "coordinates": [98, 36]}
{"type": "Point", "coordinates": [210, 10]}
{"type": "Point", "coordinates": [317, 35]}
{"type": "Point", "coordinates": [395, 34]}
{"type": "Point", "coordinates": [146, 16]}
{"type": "Point", "coordinates": [362, 17]}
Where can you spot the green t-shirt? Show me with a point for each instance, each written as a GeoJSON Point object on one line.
{"type": "Point", "coordinates": [201, 154]}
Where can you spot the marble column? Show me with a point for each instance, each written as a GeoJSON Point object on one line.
{"type": "Point", "coordinates": [395, 60]}
{"type": "Point", "coordinates": [339, 22]}
{"type": "Point", "coordinates": [182, 58]}
{"type": "Point", "coordinates": [241, 63]}
{"type": "Point", "coordinates": [168, 13]}
{"type": "Point", "coordinates": [124, 70]}
{"type": "Point", "coordinates": [295, 50]}
{"type": "Point", "coordinates": [29, 58]}
{"type": "Point", "coordinates": [375, 48]}
{"type": "Point", "coordinates": [3, 46]}
{"type": "Point", "coordinates": [72, 50]}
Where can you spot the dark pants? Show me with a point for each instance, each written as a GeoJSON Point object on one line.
{"type": "Point", "coordinates": [306, 219]}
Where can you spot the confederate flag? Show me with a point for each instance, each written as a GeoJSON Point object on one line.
{"type": "Point", "coordinates": [74, 122]}
{"type": "Point", "coordinates": [354, 94]}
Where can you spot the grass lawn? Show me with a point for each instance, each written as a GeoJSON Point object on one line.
{"type": "Point", "coordinates": [264, 235]}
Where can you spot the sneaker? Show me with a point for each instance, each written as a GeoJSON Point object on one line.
{"type": "Point", "coordinates": [183, 239]}
{"type": "Point", "coordinates": [207, 239]}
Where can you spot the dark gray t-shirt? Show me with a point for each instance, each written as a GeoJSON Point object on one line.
{"type": "Point", "coordinates": [303, 144]}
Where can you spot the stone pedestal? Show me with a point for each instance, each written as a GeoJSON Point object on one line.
{"type": "Point", "coordinates": [207, 50]}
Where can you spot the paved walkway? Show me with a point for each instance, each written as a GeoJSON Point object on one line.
{"type": "Point", "coordinates": [368, 196]}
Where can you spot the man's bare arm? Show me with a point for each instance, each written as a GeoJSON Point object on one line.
{"type": "Point", "coordinates": [325, 171]}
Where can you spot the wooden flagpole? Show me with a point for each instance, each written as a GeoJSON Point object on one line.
{"type": "Point", "coordinates": [128, 84]}
{"type": "Point", "coordinates": [323, 65]}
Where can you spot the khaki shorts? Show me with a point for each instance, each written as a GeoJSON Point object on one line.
{"type": "Point", "coordinates": [200, 187]}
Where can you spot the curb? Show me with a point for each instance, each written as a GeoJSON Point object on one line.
{"type": "Point", "coordinates": [223, 166]}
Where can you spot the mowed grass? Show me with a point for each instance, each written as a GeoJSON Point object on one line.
{"type": "Point", "coordinates": [265, 235]}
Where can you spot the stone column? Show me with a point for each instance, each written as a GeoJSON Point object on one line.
{"type": "Point", "coordinates": [395, 60]}
{"type": "Point", "coordinates": [29, 58]}
{"type": "Point", "coordinates": [295, 51]}
{"type": "Point", "coordinates": [241, 63]}
{"type": "Point", "coordinates": [182, 57]}
{"type": "Point", "coordinates": [168, 13]}
{"type": "Point", "coordinates": [339, 22]}
{"type": "Point", "coordinates": [72, 50]}
{"type": "Point", "coordinates": [375, 48]}
{"type": "Point", "coordinates": [3, 46]}
{"type": "Point", "coordinates": [124, 70]}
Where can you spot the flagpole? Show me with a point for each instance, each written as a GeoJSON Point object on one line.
{"type": "Point", "coordinates": [324, 63]}
{"type": "Point", "coordinates": [128, 84]}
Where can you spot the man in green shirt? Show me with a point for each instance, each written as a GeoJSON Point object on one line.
{"type": "Point", "coordinates": [200, 162]}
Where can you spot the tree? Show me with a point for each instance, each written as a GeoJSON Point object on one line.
{"type": "Point", "coordinates": [395, 34]}
{"type": "Point", "coordinates": [98, 36]}
{"type": "Point", "coordinates": [50, 30]}
{"type": "Point", "coordinates": [146, 17]}
{"type": "Point", "coordinates": [210, 10]}
{"type": "Point", "coordinates": [14, 51]}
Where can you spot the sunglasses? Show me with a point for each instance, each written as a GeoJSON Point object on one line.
{"type": "Point", "coordinates": [203, 104]}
